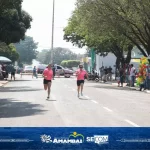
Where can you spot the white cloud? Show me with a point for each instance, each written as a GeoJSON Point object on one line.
{"type": "Point", "coordinates": [41, 11]}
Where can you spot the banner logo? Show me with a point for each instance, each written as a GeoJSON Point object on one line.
{"type": "Point", "coordinates": [98, 139]}
{"type": "Point", "coordinates": [46, 138]}
{"type": "Point", "coordinates": [73, 138]}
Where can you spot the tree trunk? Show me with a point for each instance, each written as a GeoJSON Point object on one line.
{"type": "Point", "coordinates": [128, 58]}
{"type": "Point", "coordinates": [117, 66]}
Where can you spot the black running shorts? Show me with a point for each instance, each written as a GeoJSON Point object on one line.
{"type": "Point", "coordinates": [46, 81]}
{"type": "Point", "coordinates": [79, 82]}
{"type": "Point", "coordinates": [13, 73]}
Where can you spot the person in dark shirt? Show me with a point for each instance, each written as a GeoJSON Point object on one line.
{"type": "Point", "coordinates": [106, 73]}
{"type": "Point", "coordinates": [109, 73]}
{"type": "Point", "coordinates": [121, 72]}
{"type": "Point", "coordinates": [54, 72]}
{"type": "Point", "coordinates": [13, 71]}
{"type": "Point", "coordinates": [34, 72]}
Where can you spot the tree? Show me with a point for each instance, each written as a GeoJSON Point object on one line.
{"type": "Point", "coordinates": [27, 50]}
{"type": "Point", "coordinates": [59, 54]}
{"type": "Point", "coordinates": [14, 22]}
{"type": "Point", "coordinates": [9, 4]}
{"type": "Point", "coordinates": [9, 51]}
{"type": "Point", "coordinates": [80, 32]}
{"type": "Point", "coordinates": [73, 63]}
{"type": "Point", "coordinates": [129, 18]}
{"type": "Point", "coordinates": [64, 63]}
{"type": "Point", "coordinates": [70, 63]}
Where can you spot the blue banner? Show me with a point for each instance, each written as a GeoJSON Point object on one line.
{"type": "Point", "coordinates": [75, 138]}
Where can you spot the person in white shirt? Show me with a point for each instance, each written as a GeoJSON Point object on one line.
{"type": "Point", "coordinates": [132, 75]}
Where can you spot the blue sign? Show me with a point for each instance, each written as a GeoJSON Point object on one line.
{"type": "Point", "coordinates": [75, 138]}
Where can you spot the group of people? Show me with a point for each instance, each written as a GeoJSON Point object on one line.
{"type": "Point", "coordinates": [146, 83]}
{"type": "Point", "coordinates": [5, 70]}
{"type": "Point", "coordinates": [106, 73]}
{"type": "Point", "coordinates": [126, 74]}
{"type": "Point", "coordinates": [48, 76]}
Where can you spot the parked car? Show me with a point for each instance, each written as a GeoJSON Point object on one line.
{"type": "Point", "coordinates": [40, 68]}
{"type": "Point", "coordinates": [28, 69]}
{"type": "Point", "coordinates": [68, 73]}
{"type": "Point", "coordinates": [63, 71]}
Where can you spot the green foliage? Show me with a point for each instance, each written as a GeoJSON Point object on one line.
{"type": "Point", "coordinates": [128, 18]}
{"type": "Point", "coordinates": [64, 63]}
{"type": "Point", "coordinates": [9, 52]}
{"type": "Point", "coordinates": [27, 50]}
{"type": "Point", "coordinates": [111, 26]}
{"type": "Point", "coordinates": [81, 31]}
{"type": "Point", "coordinates": [70, 63]}
{"type": "Point", "coordinates": [59, 54]}
{"type": "Point", "coordinates": [14, 22]}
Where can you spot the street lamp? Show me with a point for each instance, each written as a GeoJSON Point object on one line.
{"type": "Point", "coordinates": [53, 20]}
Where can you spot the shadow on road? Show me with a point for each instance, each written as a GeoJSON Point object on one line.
{"type": "Point", "coordinates": [18, 89]}
{"type": "Point", "coordinates": [112, 87]}
{"type": "Point", "coordinates": [52, 100]}
{"type": "Point", "coordinates": [84, 99]}
{"type": "Point", "coordinates": [22, 80]}
{"type": "Point", "coordinates": [10, 108]}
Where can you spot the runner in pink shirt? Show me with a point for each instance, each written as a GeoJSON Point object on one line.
{"type": "Point", "coordinates": [48, 76]}
{"type": "Point", "coordinates": [80, 79]}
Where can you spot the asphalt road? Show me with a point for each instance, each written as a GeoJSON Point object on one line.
{"type": "Point", "coordinates": [23, 103]}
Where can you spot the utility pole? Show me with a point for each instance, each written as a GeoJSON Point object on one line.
{"type": "Point", "coordinates": [53, 21]}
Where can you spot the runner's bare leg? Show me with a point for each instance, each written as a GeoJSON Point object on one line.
{"type": "Point", "coordinates": [49, 89]}
{"type": "Point", "coordinates": [78, 89]}
{"type": "Point", "coordinates": [82, 88]}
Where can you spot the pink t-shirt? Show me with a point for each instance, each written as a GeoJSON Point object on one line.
{"type": "Point", "coordinates": [48, 73]}
{"type": "Point", "coordinates": [80, 74]}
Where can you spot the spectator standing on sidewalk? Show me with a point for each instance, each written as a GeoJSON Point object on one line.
{"type": "Point", "coordinates": [127, 73]}
{"type": "Point", "coordinates": [143, 85]}
{"type": "Point", "coordinates": [118, 77]}
{"type": "Point", "coordinates": [102, 72]}
{"type": "Point", "coordinates": [34, 72]}
{"type": "Point", "coordinates": [147, 82]}
{"type": "Point", "coordinates": [121, 73]}
{"type": "Point", "coordinates": [110, 73]}
{"type": "Point", "coordinates": [132, 75]}
{"type": "Point", "coordinates": [105, 74]}
{"type": "Point", "coordinates": [13, 71]}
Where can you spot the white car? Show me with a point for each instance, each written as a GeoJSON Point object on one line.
{"type": "Point", "coordinates": [28, 69]}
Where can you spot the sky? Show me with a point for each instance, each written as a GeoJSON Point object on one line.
{"type": "Point", "coordinates": [41, 12]}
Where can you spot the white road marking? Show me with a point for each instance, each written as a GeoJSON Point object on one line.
{"type": "Point", "coordinates": [132, 123]}
{"type": "Point", "coordinates": [107, 109]}
{"type": "Point", "coordinates": [94, 101]}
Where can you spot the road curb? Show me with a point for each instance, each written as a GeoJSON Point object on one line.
{"type": "Point", "coordinates": [116, 84]}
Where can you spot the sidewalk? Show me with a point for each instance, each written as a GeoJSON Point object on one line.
{"type": "Point", "coordinates": [2, 83]}
{"type": "Point", "coordinates": [114, 83]}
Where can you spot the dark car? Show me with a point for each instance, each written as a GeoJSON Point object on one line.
{"type": "Point", "coordinates": [40, 68]}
